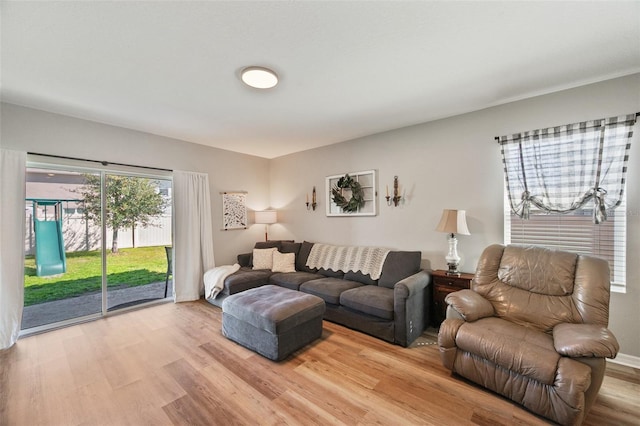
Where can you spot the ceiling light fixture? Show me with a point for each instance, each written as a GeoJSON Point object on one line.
{"type": "Point", "coordinates": [259, 77]}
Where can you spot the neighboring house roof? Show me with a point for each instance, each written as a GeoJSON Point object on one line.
{"type": "Point", "coordinates": [53, 184]}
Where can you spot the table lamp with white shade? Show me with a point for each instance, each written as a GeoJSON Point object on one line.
{"type": "Point", "coordinates": [453, 222]}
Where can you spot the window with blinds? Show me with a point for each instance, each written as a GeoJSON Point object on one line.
{"type": "Point", "coordinates": [575, 232]}
{"type": "Point", "coordinates": [565, 189]}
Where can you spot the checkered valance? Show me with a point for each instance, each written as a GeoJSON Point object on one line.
{"type": "Point", "coordinates": [559, 169]}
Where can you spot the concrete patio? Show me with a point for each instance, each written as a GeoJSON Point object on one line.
{"type": "Point", "coordinates": [75, 307]}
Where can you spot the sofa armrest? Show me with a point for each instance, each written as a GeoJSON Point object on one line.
{"type": "Point", "coordinates": [584, 340]}
{"type": "Point", "coordinates": [470, 305]}
{"type": "Point", "coordinates": [412, 285]}
{"type": "Point", "coordinates": [244, 259]}
{"type": "Point", "coordinates": [411, 301]}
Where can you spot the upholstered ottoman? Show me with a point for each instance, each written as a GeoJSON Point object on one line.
{"type": "Point", "coordinates": [272, 321]}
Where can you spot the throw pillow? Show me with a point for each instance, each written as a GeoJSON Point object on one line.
{"type": "Point", "coordinates": [263, 258]}
{"type": "Point", "coordinates": [284, 262]}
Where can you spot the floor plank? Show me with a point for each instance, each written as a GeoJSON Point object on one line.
{"type": "Point", "coordinates": [170, 365]}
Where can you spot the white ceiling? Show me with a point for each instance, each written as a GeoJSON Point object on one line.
{"type": "Point", "coordinates": [347, 68]}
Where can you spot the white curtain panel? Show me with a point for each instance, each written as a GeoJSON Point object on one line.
{"type": "Point", "coordinates": [12, 195]}
{"type": "Point", "coordinates": [193, 243]}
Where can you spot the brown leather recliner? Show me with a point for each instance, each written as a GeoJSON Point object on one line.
{"type": "Point", "coordinates": [533, 328]}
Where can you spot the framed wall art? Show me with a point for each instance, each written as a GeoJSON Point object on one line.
{"type": "Point", "coordinates": [234, 210]}
{"type": "Point", "coordinates": [351, 194]}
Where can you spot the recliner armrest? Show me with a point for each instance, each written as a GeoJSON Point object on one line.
{"type": "Point", "coordinates": [584, 340]}
{"type": "Point", "coordinates": [470, 305]}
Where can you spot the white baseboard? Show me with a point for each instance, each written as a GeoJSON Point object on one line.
{"type": "Point", "coordinates": [628, 360]}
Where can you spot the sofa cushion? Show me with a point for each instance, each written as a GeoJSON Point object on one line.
{"type": "Point", "coordinates": [328, 289]}
{"type": "Point", "coordinates": [399, 265]}
{"type": "Point", "coordinates": [360, 277]}
{"type": "Point", "coordinates": [245, 279]}
{"type": "Point", "coordinates": [292, 280]}
{"type": "Point", "coordinates": [303, 255]}
{"type": "Point", "coordinates": [369, 299]}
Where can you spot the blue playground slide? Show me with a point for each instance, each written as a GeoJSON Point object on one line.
{"type": "Point", "coordinates": [50, 255]}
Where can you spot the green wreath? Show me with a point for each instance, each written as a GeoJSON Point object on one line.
{"type": "Point", "coordinates": [357, 194]}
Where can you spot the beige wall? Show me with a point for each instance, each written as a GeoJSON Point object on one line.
{"type": "Point", "coordinates": [41, 132]}
{"type": "Point", "coordinates": [451, 163]}
{"type": "Point", "coordinates": [454, 163]}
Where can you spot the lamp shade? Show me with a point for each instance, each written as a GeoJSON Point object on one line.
{"type": "Point", "coordinates": [267, 216]}
{"type": "Point", "coordinates": [453, 222]}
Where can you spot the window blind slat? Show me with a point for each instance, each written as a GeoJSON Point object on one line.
{"type": "Point", "coordinates": [574, 232]}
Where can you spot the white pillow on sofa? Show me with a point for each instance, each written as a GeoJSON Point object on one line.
{"type": "Point", "coordinates": [263, 258]}
{"type": "Point", "coordinates": [283, 262]}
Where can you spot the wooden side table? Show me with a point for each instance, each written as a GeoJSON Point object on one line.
{"type": "Point", "coordinates": [442, 285]}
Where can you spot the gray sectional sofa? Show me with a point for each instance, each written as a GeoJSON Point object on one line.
{"type": "Point", "coordinates": [394, 308]}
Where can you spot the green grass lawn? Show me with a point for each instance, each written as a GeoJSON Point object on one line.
{"type": "Point", "coordinates": [129, 268]}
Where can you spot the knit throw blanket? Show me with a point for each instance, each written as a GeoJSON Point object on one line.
{"type": "Point", "coordinates": [214, 279]}
{"type": "Point", "coordinates": [368, 260]}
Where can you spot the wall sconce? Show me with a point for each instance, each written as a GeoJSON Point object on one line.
{"type": "Point", "coordinates": [396, 198]}
{"type": "Point", "coordinates": [313, 203]}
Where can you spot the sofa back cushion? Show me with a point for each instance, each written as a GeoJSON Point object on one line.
{"type": "Point", "coordinates": [271, 243]}
{"type": "Point", "coordinates": [399, 265]}
{"type": "Point", "coordinates": [360, 277]}
{"type": "Point", "coordinates": [290, 247]}
{"type": "Point", "coordinates": [331, 273]}
{"type": "Point", "coordinates": [303, 255]}
{"type": "Point", "coordinates": [245, 260]}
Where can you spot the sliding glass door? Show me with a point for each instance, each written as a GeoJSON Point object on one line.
{"type": "Point", "coordinates": [138, 219]}
{"type": "Point", "coordinates": [63, 250]}
{"type": "Point", "coordinates": [97, 241]}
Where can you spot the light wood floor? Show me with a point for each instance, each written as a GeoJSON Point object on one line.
{"type": "Point", "coordinates": [169, 364]}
